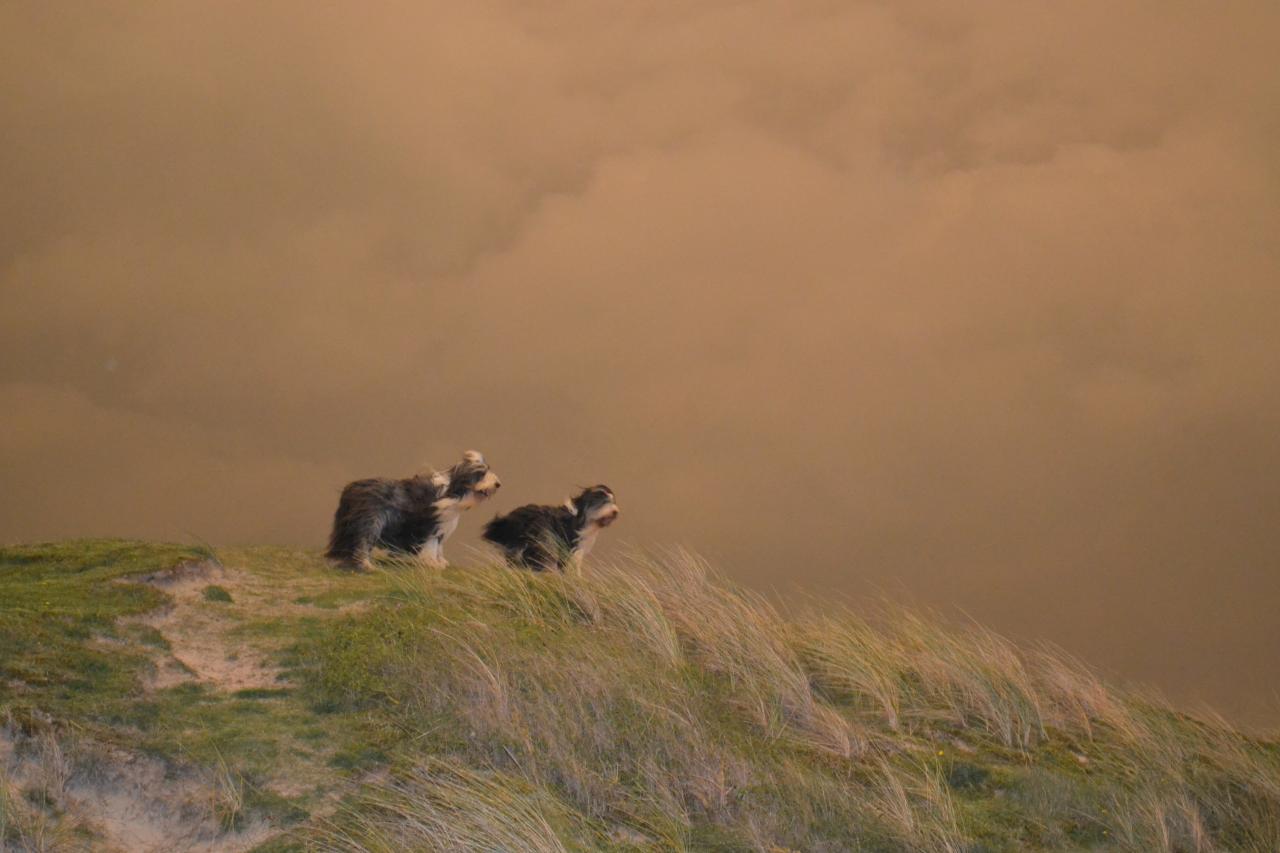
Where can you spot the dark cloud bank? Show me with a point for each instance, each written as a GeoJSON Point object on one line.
{"type": "Point", "coordinates": [974, 305]}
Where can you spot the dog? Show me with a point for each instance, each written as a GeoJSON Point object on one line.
{"type": "Point", "coordinates": [411, 516]}
{"type": "Point", "coordinates": [549, 537]}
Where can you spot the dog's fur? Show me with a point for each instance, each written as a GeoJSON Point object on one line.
{"type": "Point", "coordinates": [548, 537]}
{"type": "Point", "coordinates": [414, 515]}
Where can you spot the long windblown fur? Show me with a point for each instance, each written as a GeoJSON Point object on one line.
{"type": "Point", "coordinates": [414, 515]}
{"type": "Point", "coordinates": [549, 537]}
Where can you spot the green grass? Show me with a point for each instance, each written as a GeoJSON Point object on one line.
{"type": "Point", "coordinates": [213, 592]}
{"type": "Point", "coordinates": [645, 706]}
{"type": "Point", "coordinates": [56, 599]}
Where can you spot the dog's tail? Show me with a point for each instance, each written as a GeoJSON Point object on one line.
{"type": "Point", "coordinates": [347, 535]}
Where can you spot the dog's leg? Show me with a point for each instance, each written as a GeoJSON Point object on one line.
{"type": "Point", "coordinates": [432, 553]}
{"type": "Point", "coordinates": [362, 558]}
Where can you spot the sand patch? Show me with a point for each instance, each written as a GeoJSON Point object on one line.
{"type": "Point", "coordinates": [198, 631]}
{"type": "Point", "coordinates": [127, 803]}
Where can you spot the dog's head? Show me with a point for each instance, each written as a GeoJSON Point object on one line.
{"type": "Point", "coordinates": [470, 481]}
{"type": "Point", "coordinates": [595, 506]}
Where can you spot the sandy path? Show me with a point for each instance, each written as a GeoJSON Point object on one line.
{"type": "Point", "coordinates": [198, 632]}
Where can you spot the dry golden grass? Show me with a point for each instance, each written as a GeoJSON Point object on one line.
{"type": "Point", "coordinates": [649, 704]}
{"type": "Point", "coordinates": [441, 806]}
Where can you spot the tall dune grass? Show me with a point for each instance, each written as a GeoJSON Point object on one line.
{"type": "Point", "coordinates": [650, 704]}
{"type": "Point", "coordinates": [442, 806]}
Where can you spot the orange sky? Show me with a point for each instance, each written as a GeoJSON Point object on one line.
{"type": "Point", "coordinates": [973, 305]}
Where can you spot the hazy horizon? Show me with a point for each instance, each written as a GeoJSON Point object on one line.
{"type": "Point", "coordinates": [972, 306]}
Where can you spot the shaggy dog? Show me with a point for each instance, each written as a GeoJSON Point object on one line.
{"type": "Point", "coordinates": [413, 516]}
{"type": "Point", "coordinates": [548, 537]}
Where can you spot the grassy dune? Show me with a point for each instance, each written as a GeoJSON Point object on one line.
{"type": "Point", "coordinates": [647, 705]}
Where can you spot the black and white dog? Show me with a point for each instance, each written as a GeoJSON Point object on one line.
{"type": "Point", "coordinates": [414, 516]}
{"type": "Point", "coordinates": [549, 537]}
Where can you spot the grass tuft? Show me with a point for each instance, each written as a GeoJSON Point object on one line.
{"type": "Point", "coordinates": [213, 592]}
{"type": "Point", "coordinates": [439, 805]}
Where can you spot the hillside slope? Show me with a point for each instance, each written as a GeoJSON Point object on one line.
{"type": "Point", "coordinates": [159, 697]}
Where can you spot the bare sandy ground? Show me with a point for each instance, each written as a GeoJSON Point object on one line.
{"type": "Point", "coordinates": [200, 646]}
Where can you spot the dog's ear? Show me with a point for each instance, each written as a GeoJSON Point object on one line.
{"type": "Point", "coordinates": [571, 506]}
{"type": "Point", "coordinates": [473, 456]}
{"type": "Point", "coordinates": [440, 479]}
